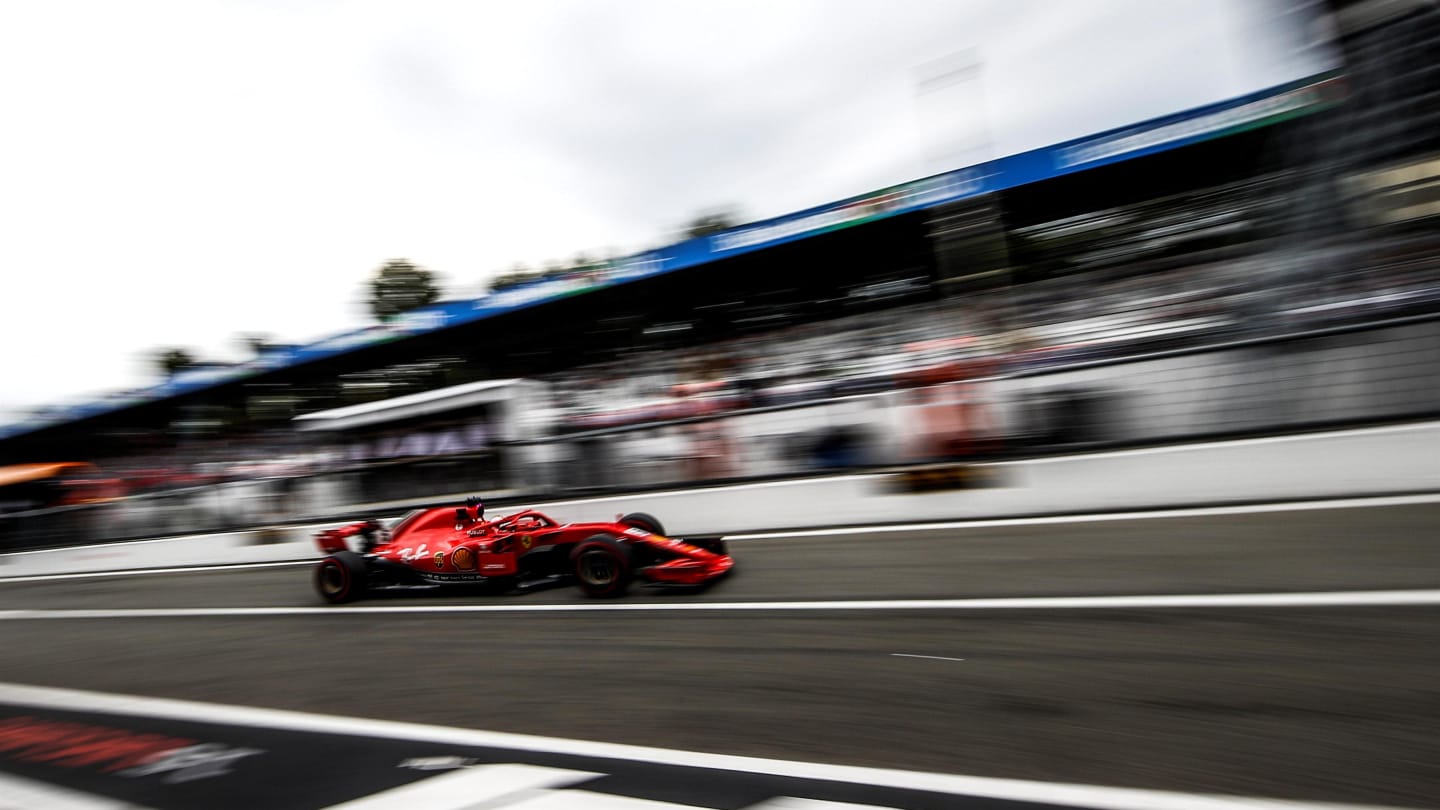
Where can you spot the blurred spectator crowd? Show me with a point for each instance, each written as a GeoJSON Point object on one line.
{"type": "Point", "coordinates": [1041, 324]}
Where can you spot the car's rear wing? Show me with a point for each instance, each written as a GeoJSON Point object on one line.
{"type": "Point", "coordinates": [333, 540]}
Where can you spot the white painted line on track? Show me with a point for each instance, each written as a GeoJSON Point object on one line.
{"type": "Point", "coordinates": [788, 803]}
{"type": "Point", "coordinates": [1102, 517]}
{"type": "Point", "coordinates": [931, 657]}
{"type": "Point", "coordinates": [1088, 796]}
{"type": "Point", "coordinates": [1160, 601]}
{"type": "Point", "coordinates": [140, 572]}
{"type": "Point", "coordinates": [478, 786]}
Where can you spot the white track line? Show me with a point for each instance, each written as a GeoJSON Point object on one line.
{"type": "Point", "coordinates": [1233, 600]}
{"type": "Point", "coordinates": [481, 786]}
{"type": "Point", "coordinates": [1063, 794]}
{"type": "Point", "coordinates": [930, 657]}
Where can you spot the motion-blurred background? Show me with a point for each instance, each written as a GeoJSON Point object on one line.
{"type": "Point", "coordinates": [1262, 264]}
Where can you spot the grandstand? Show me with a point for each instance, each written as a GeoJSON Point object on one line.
{"type": "Point", "coordinates": [867, 254]}
{"type": "Point", "coordinates": [1302, 207]}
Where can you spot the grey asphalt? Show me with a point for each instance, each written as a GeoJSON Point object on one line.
{"type": "Point", "coordinates": [1339, 704]}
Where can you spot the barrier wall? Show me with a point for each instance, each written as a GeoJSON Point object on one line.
{"type": "Point", "coordinates": [1339, 464]}
{"type": "Point", "coordinates": [1354, 463]}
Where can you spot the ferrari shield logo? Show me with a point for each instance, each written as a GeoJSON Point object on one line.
{"type": "Point", "coordinates": [439, 559]}
{"type": "Point", "coordinates": [526, 542]}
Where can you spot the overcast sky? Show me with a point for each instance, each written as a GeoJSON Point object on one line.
{"type": "Point", "coordinates": [177, 173]}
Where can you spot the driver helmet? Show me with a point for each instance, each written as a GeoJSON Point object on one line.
{"type": "Point", "coordinates": [373, 534]}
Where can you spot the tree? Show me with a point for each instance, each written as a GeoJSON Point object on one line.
{"type": "Point", "coordinates": [400, 286]}
{"type": "Point", "coordinates": [713, 221]}
{"type": "Point", "coordinates": [256, 342]}
{"type": "Point", "coordinates": [173, 361]}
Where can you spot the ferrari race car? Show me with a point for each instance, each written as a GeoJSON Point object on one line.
{"type": "Point", "coordinates": [452, 546]}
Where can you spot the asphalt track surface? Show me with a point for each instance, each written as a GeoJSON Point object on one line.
{"type": "Point", "coordinates": [1320, 703]}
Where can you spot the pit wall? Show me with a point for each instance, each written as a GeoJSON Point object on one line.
{"type": "Point", "coordinates": [1341, 464]}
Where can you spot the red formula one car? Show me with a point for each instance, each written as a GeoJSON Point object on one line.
{"type": "Point", "coordinates": [451, 546]}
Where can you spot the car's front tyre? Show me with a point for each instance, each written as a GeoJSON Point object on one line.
{"type": "Point", "coordinates": [602, 566]}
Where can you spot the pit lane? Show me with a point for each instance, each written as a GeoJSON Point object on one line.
{"type": "Point", "coordinates": [1318, 703]}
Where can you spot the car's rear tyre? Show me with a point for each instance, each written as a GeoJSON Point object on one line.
{"type": "Point", "coordinates": [603, 568]}
{"type": "Point", "coordinates": [340, 578]}
{"type": "Point", "coordinates": [640, 520]}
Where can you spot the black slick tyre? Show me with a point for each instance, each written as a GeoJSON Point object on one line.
{"type": "Point", "coordinates": [602, 565]}
{"type": "Point", "coordinates": [340, 577]}
{"type": "Point", "coordinates": [640, 520]}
